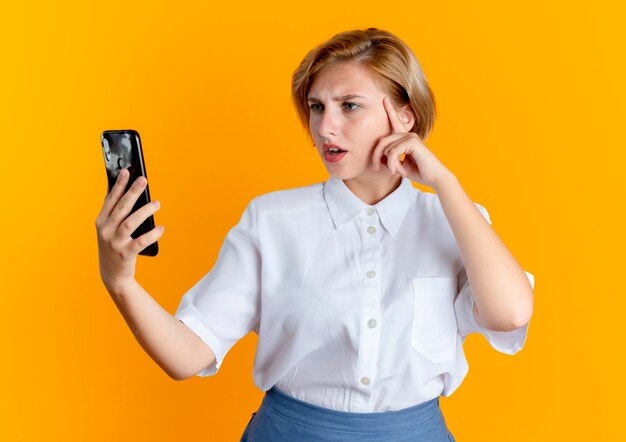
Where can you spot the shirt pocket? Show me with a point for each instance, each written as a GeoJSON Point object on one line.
{"type": "Point", "coordinates": [434, 327]}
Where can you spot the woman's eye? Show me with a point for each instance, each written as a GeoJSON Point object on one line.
{"type": "Point", "coordinates": [316, 107]}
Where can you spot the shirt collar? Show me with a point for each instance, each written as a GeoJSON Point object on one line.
{"type": "Point", "coordinates": [344, 205]}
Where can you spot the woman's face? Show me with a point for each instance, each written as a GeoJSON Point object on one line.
{"type": "Point", "coordinates": [346, 110]}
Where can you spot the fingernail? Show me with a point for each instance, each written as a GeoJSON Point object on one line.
{"type": "Point", "coordinates": [156, 203]}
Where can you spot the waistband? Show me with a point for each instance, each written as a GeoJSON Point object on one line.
{"type": "Point", "coordinates": [424, 414]}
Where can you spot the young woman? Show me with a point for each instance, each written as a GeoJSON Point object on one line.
{"type": "Point", "coordinates": [361, 288]}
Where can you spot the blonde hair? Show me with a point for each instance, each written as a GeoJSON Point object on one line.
{"type": "Point", "coordinates": [392, 63]}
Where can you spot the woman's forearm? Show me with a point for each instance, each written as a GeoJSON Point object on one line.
{"type": "Point", "coordinates": [168, 341]}
{"type": "Point", "coordinates": [502, 291]}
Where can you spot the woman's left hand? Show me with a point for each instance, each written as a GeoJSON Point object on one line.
{"type": "Point", "coordinates": [419, 164]}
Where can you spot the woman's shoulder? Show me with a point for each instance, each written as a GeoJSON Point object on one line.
{"type": "Point", "coordinates": [432, 201]}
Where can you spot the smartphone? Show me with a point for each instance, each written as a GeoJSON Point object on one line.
{"type": "Point", "coordinates": [122, 150]}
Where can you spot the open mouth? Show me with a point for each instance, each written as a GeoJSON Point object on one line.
{"type": "Point", "coordinates": [335, 151]}
{"type": "Point", "coordinates": [335, 157]}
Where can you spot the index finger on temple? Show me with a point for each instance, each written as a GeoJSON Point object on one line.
{"type": "Point", "coordinates": [394, 119]}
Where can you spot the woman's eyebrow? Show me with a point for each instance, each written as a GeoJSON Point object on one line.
{"type": "Point", "coordinates": [342, 98]}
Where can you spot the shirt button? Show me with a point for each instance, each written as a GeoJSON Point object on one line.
{"type": "Point", "coordinates": [365, 380]}
{"type": "Point", "coordinates": [371, 323]}
{"type": "Point", "coordinates": [371, 274]}
{"type": "Point", "coordinates": [371, 230]}
{"type": "Point", "coordinates": [369, 211]}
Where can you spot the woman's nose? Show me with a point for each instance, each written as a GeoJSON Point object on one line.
{"type": "Point", "coordinates": [328, 124]}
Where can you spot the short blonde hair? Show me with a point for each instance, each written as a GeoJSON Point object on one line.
{"type": "Point", "coordinates": [392, 63]}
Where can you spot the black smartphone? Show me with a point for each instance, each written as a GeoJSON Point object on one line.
{"type": "Point", "coordinates": [122, 150]}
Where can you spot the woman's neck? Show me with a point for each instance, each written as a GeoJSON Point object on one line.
{"type": "Point", "coordinates": [372, 191]}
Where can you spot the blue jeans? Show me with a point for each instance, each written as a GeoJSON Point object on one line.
{"type": "Point", "coordinates": [282, 418]}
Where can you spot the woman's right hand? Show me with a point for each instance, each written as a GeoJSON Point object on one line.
{"type": "Point", "coordinates": [117, 250]}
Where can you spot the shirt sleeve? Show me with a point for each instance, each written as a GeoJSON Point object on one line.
{"type": "Point", "coordinates": [509, 342]}
{"type": "Point", "coordinates": [223, 306]}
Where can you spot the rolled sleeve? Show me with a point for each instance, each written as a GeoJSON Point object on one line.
{"type": "Point", "coordinates": [483, 212]}
{"type": "Point", "coordinates": [223, 306]}
{"type": "Point", "coordinates": [508, 342]}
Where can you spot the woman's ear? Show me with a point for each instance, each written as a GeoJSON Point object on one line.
{"type": "Point", "coordinates": [407, 116]}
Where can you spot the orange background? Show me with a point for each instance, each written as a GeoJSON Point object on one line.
{"type": "Point", "coordinates": [530, 98]}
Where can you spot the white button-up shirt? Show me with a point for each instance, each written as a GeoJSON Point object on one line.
{"type": "Point", "coordinates": [357, 308]}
